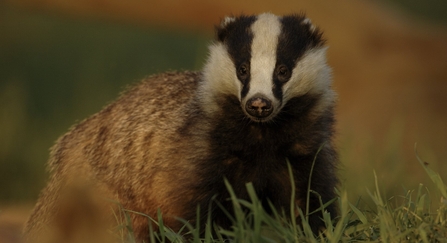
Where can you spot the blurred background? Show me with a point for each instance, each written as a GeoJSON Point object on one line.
{"type": "Point", "coordinates": [62, 61]}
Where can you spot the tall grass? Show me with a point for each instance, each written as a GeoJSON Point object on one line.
{"type": "Point", "coordinates": [417, 216]}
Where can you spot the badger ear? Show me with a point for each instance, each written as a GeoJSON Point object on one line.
{"type": "Point", "coordinates": [307, 22]}
{"type": "Point", "coordinates": [224, 27]}
{"type": "Point", "coordinates": [227, 20]}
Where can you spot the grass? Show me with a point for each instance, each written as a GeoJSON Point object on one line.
{"type": "Point", "coordinates": [417, 216]}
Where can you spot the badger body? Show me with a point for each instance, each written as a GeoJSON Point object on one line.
{"type": "Point", "coordinates": [263, 100]}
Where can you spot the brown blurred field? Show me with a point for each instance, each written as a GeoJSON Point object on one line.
{"type": "Point", "coordinates": [389, 68]}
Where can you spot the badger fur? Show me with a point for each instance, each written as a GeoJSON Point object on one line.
{"type": "Point", "coordinates": [263, 100]}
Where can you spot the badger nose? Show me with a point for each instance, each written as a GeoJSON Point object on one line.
{"type": "Point", "coordinates": [259, 107]}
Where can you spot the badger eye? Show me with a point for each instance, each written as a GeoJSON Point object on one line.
{"type": "Point", "coordinates": [283, 73]}
{"type": "Point", "coordinates": [243, 72]}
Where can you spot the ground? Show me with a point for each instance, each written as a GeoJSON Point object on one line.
{"type": "Point", "coordinates": [12, 219]}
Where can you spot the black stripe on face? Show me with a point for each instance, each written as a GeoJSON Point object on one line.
{"type": "Point", "coordinates": [237, 37]}
{"type": "Point", "coordinates": [295, 39]}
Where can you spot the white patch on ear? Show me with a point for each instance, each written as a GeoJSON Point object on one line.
{"type": "Point", "coordinates": [227, 20]}
{"type": "Point", "coordinates": [307, 21]}
{"type": "Point", "coordinates": [266, 30]}
{"type": "Point", "coordinates": [311, 75]}
{"type": "Point", "coordinates": [219, 78]}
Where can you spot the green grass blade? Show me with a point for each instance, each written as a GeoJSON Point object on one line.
{"type": "Point", "coordinates": [359, 214]}
{"type": "Point", "coordinates": [293, 206]}
{"type": "Point", "coordinates": [310, 181]}
{"type": "Point", "coordinates": [435, 177]}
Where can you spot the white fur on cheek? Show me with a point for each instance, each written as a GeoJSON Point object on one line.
{"type": "Point", "coordinates": [311, 74]}
{"type": "Point", "coordinates": [219, 77]}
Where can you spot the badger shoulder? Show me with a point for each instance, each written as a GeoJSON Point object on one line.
{"type": "Point", "coordinates": [151, 110]}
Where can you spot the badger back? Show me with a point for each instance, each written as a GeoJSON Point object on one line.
{"type": "Point", "coordinates": [265, 61]}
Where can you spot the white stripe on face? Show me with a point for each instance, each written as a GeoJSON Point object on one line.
{"type": "Point", "coordinates": [266, 30]}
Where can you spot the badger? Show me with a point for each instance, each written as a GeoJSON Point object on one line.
{"type": "Point", "coordinates": [263, 100]}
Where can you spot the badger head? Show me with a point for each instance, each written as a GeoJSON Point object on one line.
{"type": "Point", "coordinates": [265, 61]}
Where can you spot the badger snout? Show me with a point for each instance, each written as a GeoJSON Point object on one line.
{"type": "Point", "coordinates": [259, 107]}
